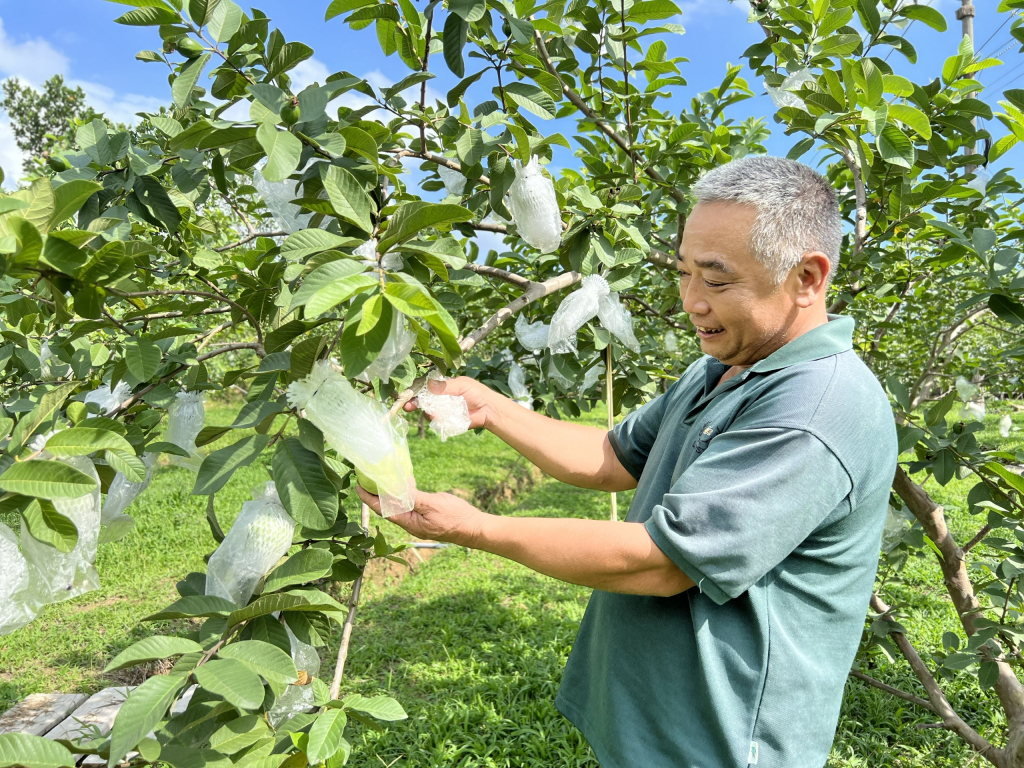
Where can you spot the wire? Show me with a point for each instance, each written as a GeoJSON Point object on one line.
{"type": "Point", "coordinates": [1005, 75]}
{"type": "Point", "coordinates": [1007, 19]}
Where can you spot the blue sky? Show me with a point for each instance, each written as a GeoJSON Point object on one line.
{"type": "Point", "coordinates": [78, 39]}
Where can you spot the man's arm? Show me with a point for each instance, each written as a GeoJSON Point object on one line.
{"type": "Point", "coordinates": [613, 557]}
{"type": "Point", "coordinates": [573, 453]}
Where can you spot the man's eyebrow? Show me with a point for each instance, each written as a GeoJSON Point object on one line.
{"type": "Point", "coordinates": [715, 264]}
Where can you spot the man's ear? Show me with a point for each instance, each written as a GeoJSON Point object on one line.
{"type": "Point", "coordinates": [811, 278]}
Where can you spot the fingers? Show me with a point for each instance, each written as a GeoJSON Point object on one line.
{"type": "Point", "coordinates": [373, 502]}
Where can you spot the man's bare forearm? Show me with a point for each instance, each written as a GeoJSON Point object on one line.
{"type": "Point", "coordinates": [573, 453]}
{"type": "Point", "coordinates": [613, 557]}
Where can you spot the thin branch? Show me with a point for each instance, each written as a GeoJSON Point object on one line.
{"type": "Point", "coordinates": [894, 691]}
{"type": "Point", "coordinates": [606, 129]}
{"type": "Point", "coordinates": [501, 274]}
{"type": "Point", "coordinates": [487, 226]}
{"type": "Point", "coordinates": [978, 537]}
{"type": "Point", "coordinates": [249, 238]}
{"type": "Point", "coordinates": [178, 313]}
{"type": "Point", "coordinates": [423, 85]}
{"type": "Point", "coordinates": [653, 312]}
{"type": "Point", "coordinates": [860, 228]}
{"type": "Point", "coordinates": [434, 158]}
{"type": "Point", "coordinates": [625, 82]}
{"type": "Point", "coordinates": [346, 631]}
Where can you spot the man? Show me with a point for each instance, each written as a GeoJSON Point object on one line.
{"type": "Point", "coordinates": [728, 606]}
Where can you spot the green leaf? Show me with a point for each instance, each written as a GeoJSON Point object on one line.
{"type": "Point", "coordinates": [340, 290]}
{"type": "Point", "coordinates": [233, 681]}
{"type": "Point", "coordinates": [238, 734]}
{"type": "Point", "coordinates": [286, 601]}
{"type": "Point", "coordinates": [46, 479]}
{"type": "Point", "coordinates": [69, 197]}
{"type": "Point", "coordinates": [288, 57]}
{"type": "Point", "coordinates": [80, 441]}
{"type": "Point", "coordinates": [49, 526]}
{"type": "Point", "coordinates": [348, 197]}
{"type": "Point", "coordinates": [912, 117]}
{"type": "Point", "coordinates": [380, 707]}
{"type": "Point", "coordinates": [326, 735]}
{"type": "Point", "coordinates": [49, 404]}
{"type": "Point", "coordinates": [225, 21]}
{"type": "Point", "coordinates": [869, 16]}
{"type": "Point", "coordinates": [148, 17]}
{"type": "Point", "coordinates": [144, 708]}
{"type": "Point", "coordinates": [264, 659]}
{"type": "Point", "coordinates": [531, 98]}
{"type": "Point", "coordinates": [194, 606]}
{"type": "Point", "coordinates": [416, 216]}
{"type": "Point", "coordinates": [1005, 308]}
{"type": "Point", "coordinates": [155, 197]}
{"type": "Point", "coordinates": [181, 89]}
{"type": "Point", "coordinates": [338, 7]}
{"type": "Point", "coordinates": [283, 151]}
{"type": "Point", "coordinates": [219, 466]}
{"type": "Point", "coordinates": [874, 85]}
{"type": "Point", "coordinates": [651, 10]}
{"type": "Point", "coordinates": [304, 566]}
{"type": "Point", "coordinates": [143, 357]}
{"type": "Point", "coordinates": [926, 15]}
{"type": "Point", "coordinates": [896, 148]}
{"type": "Point", "coordinates": [307, 242]}
{"type": "Point", "coordinates": [92, 137]}
{"type": "Point", "coordinates": [944, 466]}
{"type": "Point", "coordinates": [27, 751]}
{"type": "Point", "coordinates": [305, 490]}
{"type": "Point", "coordinates": [151, 649]}
{"type": "Point", "coordinates": [454, 39]}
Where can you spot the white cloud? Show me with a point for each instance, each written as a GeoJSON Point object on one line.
{"type": "Point", "coordinates": [11, 157]}
{"type": "Point", "coordinates": [691, 10]}
{"type": "Point", "coordinates": [307, 72]}
{"type": "Point", "coordinates": [32, 60]}
{"type": "Point", "coordinates": [118, 108]}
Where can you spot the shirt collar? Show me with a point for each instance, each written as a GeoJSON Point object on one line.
{"type": "Point", "coordinates": [829, 339]}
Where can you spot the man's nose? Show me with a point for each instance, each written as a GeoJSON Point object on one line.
{"type": "Point", "coordinates": [694, 300]}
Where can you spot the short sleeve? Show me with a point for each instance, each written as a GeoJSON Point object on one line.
{"type": "Point", "coordinates": [633, 437]}
{"type": "Point", "coordinates": [745, 504]}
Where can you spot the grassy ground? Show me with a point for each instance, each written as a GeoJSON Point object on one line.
{"type": "Point", "coordinates": [472, 645]}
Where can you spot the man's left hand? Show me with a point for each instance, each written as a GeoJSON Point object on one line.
{"type": "Point", "coordinates": [436, 516]}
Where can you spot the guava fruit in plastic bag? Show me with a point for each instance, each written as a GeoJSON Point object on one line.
{"type": "Point", "coordinates": [109, 400]}
{"type": "Point", "coordinates": [122, 491]}
{"type": "Point", "coordinates": [671, 343]}
{"type": "Point", "coordinates": [360, 429]}
{"type": "Point", "coordinates": [454, 181]}
{"type": "Point", "coordinates": [783, 96]}
{"type": "Point", "coordinates": [260, 537]}
{"type": "Point", "coordinates": [45, 361]}
{"type": "Point", "coordinates": [17, 605]}
{"type": "Point", "coordinates": [533, 336]}
{"type": "Point", "coordinates": [296, 698]}
{"type": "Point", "coordinates": [184, 423]}
{"type": "Point", "coordinates": [1005, 425]}
{"type": "Point", "coordinates": [517, 383]}
{"type": "Point", "coordinates": [64, 575]}
{"type": "Point", "coordinates": [449, 414]}
{"type": "Point", "coordinates": [534, 206]}
{"type": "Point", "coordinates": [401, 339]}
{"type": "Point", "coordinates": [367, 251]}
{"type": "Point", "coordinates": [973, 411]}
{"type": "Point", "coordinates": [574, 312]}
{"type": "Point", "coordinates": [616, 319]}
{"type": "Point", "coordinates": [896, 525]}
{"type": "Point", "coordinates": [277, 195]}
{"type": "Point", "coordinates": [591, 376]}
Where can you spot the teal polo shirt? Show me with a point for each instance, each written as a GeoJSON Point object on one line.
{"type": "Point", "coordinates": [770, 493]}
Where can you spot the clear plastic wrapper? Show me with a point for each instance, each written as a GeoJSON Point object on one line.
{"type": "Point", "coordinates": [517, 383]}
{"type": "Point", "coordinates": [184, 423]}
{"type": "Point", "coordinates": [896, 525]}
{"type": "Point", "coordinates": [553, 374]}
{"type": "Point", "coordinates": [45, 361]}
{"type": "Point", "coordinates": [449, 414]}
{"type": "Point", "coordinates": [979, 182]}
{"type": "Point", "coordinates": [64, 575]}
{"type": "Point", "coordinates": [401, 339]}
{"type": "Point", "coordinates": [973, 411]}
{"type": "Point", "coordinates": [367, 251]}
{"type": "Point", "coordinates": [17, 604]}
{"type": "Point", "coordinates": [617, 321]}
{"type": "Point", "coordinates": [360, 429]}
{"type": "Point", "coordinates": [278, 196]}
{"type": "Point", "coordinates": [454, 181]}
{"type": "Point", "coordinates": [965, 389]}
{"type": "Point", "coordinates": [109, 400]}
{"type": "Point", "coordinates": [574, 312]}
{"type": "Point", "coordinates": [784, 96]}
{"type": "Point", "coordinates": [392, 261]}
{"type": "Point", "coordinates": [260, 537]}
{"type": "Point", "coordinates": [533, 336]}
{"type": "Point", "coordinates": [122, 491]}
{"type": "Point", "coordinates": [296, 698]}
{"type": "Point", "coordinates": [671, 343]}
{"type": "Point", "coordinates": [534, 206]}
{"type": "Point", "coordinates": [591, 376]}
{"type": "Point", "coordinates": [1005, 425]}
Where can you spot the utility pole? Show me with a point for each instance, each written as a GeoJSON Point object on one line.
{"type": "Point", "coordinates": [965, 13]}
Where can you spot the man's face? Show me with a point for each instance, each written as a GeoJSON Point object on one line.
{"type": "Point", "coordinates": [740, 313]}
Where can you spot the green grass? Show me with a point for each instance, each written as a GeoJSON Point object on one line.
{"type": "Point", "coordinates": [471, 644]}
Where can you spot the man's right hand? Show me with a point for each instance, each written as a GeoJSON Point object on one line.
{"type": "Point", "coordinates": [480, 398]}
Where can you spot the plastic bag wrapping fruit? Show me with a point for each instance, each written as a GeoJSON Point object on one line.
{"type": "Point", "coordinates": [401, 339]}
{"type": "Point", "coordinates": [517, 383]}
{"type": "Point", "coordinates": [553, 374]}
{"type": "Point", "coordinates": [45, 361]}
{"type": "Point", "coordinates": [367, 251]}
{"type": "Point", "coordinates": [184, 423]}
{"type": "Point", "coordinates": [574, 312]}
{"type": "Point", "coordinates": [360, 429]}
{"type": "Point", "coordinates": [671, 344]}
{"type": "Point", "coordinates": [973, 411]}
{"type": "Point", "coordinates": [534, 207]}
{"type": "Point", "coordinates": [64, 575]}
{"type": "Point", "coordinates": [18, 605]}
{"type": "Point", "coordinates": [277, 195]}
{"type": "Point", "coordinates": [1005, 425]}
{"type": "Point", "coordinates": [895, 526]}
{"type": "Point", "coordinates": [449, 414]}
{"type": "Point", "coordinates": [109, 400]}
{"type": "Point", "coordinates": [259, 538]}
{"type": "Point", "coordinates": [296, 698]}
{"type": "Point", "coordinates": [783, 96]}
{"type": "Point", "coordinates": [591, 376]}
{"type": "Point", "coordinates": [454, 181]}
{"type": "Point", "coordinates": [533, 336]}
{"type": "Point", "coordinates": [616, 319]}
{"type": "Point", "coordinates": [122, 491]}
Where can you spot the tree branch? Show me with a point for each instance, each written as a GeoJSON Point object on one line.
{"type": "Point", "coordinates": [501, 274]}
{"type": "Point", "coordinates": [893, 691]}
{"type": "Point", "coordinates": [652, 311]}
{"type": "Point", "coordinates": [435, 158]}
{"type": "Point", "coordinates": [346, 630]}
{"type": "Point", "coordinates": [249, 238]}
{"type": "Point", "coordinates": [860, 228]}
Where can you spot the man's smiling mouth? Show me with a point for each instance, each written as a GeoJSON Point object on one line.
{"type": "Point", "coordinates": [705, 331]}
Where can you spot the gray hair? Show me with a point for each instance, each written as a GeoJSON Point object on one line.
{"type": "Point", "coordinates": [797, 209]}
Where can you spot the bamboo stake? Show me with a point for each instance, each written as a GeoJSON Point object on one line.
{"type": "Point", "coordinates": [610, 397]}
{"type": "Point", "coordinates": [346, 631]}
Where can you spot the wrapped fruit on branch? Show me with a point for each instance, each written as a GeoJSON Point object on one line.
{"type": "Point", "coordinates": [1005, 425]}
{"type": "Point", "coordinates": [109, 400]}
{"type": "Point", "coordinates": [517, 383]}
{"type": "Point", "coordinates": [616, 319]}
{"type": "Point", "coordinates": [593, 299]}
{"type": "Point", "coordinates": [591, 376]}
{"type": "Point", "coordinates": [534, 207]}
{"type": "Point", "coordinates": [17, 604]}
{"type": "Point", "coordinates": [533, 336]}
{"type": "Point", "coordinates": [449, 414]}
{"type": "Point", "coordinates": [184, 423]}
{"type": "Point", "coordinates": [360, 429]}
{"type": "Point", "coordinates": [454, 181]}
{"type": "Point", "coordinates": [401, 339]}
{"type": "Point", "coordinates": [259, 538]}
{"type": "Point", "coordinates": [121, 493]}
{"type": "Point", "coordinates": [277, 195]}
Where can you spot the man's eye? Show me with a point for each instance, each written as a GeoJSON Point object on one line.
{"type": "Point", "coordinates": [709, 284]}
